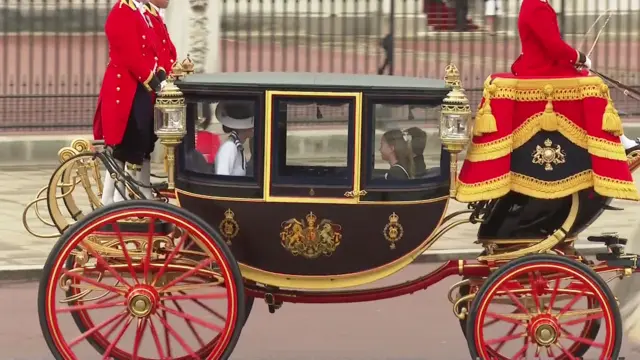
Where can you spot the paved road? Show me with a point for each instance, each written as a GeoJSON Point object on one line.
{"type": "Point", "coordinates": [419, 326]}
{"type": "Point", "coordinates": [18, 248]}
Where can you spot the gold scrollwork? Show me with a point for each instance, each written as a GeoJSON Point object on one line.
{"type": "Point", "coordinates": [310, 239]}
{"type": "Point", "coordinates": [548, 155]}
{"type": "Point", "coordinates": [393, 231]}
{"type": "Point", "coordinates": [229, 227]}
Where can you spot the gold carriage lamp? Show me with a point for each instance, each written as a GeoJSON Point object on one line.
{"type": "Point", "coordinates": [455, 118]}
{"type": "Point", "coordinates": [170, 116]}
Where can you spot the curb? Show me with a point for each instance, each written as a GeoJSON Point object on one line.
{"type": "Point", "coordinates": [34, 272]}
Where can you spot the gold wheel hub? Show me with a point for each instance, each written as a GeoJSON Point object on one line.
{"type": "Point", "coordinates": [546, 335]}
{"type": "Point", "coordinates": [142, 302]}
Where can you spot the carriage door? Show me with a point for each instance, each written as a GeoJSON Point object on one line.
{"type": "Point", "coordinates": [312, 147]}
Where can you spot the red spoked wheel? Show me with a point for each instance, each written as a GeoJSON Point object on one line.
{"type": "Point", "coordinates": [544, 306]}
{"type": "Point", "coordinates": [141, 280]}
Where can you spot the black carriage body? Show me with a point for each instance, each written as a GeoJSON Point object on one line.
{"type": "Point", "coordinates": [364, 228]}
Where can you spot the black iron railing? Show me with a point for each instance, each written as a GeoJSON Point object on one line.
{"type": "Point", "coordinates": [53, 52]}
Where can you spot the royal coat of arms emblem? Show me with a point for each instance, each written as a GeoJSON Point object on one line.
{"type": "Point", "coordinates": [309, 238]}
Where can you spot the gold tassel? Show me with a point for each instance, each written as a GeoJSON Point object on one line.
{"type": "Point", "coordinates": [485, 122]}
{"type": "Point", "coordinates": [611, 121]}
{"type": "Point", "coordinates": [549, 120]}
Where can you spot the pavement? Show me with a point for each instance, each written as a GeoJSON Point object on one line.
{"type": "Point", "coordinates": [420, 326]}
{"type": "Point", "coordinates": [23, 255]}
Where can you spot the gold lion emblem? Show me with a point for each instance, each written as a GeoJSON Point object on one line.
{"type": "Point", "coordinates": [548, 155]}
{"type": "Point", "coordinates": [310, 239]}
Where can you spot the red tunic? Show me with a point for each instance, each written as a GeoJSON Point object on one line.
{"type": "Point", "coordinates": [133, 59]}
{"type": "Point", "coordinates": [168, 54]}
{"type": "Point", "coordinates": [544, 53]}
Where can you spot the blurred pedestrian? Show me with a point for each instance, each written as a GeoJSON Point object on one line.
{"type": "Point", "coordinates": [462, 10]}
{"type": "Point", "coordinates": [387, 46]}
{"type": "Point", "coordinates": [492, 9]}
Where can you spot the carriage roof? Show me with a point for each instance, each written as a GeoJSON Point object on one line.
{"type": "Point", "coordinates": [318, 81]}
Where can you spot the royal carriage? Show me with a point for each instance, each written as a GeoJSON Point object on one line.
{"type": "Point", "coordinates": [310, 228]}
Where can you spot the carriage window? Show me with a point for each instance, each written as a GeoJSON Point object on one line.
{"type": "Point", "coordinates": [313, 137]}
{"type": "Point", "coordinates": [222, 138]}
{"type": "Point", "coordinates": [407, 145]}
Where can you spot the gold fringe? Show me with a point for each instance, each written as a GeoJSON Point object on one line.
{"type": "Point", "coordinates": [549, 120]}
{"type": "Point", "coordinates": [490, 150]}
{"type": "Point", "coordinates": [500, 186]}
{"type": "Point", "coordinates": [485, 122]}
{"type": "Point", "coordinates": [615, 188]}
{"type": "Point", "coordinates": [606, 149]}
{"type": "Point", "coordinates": [487, 190]}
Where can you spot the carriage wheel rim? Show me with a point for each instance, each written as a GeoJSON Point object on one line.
{"type": "Point", "coordinates": [486, 351]}
{"type": "Point", "coordinates": [214, 348]}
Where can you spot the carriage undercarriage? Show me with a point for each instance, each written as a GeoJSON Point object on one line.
{"type": "Point", "coordinates": [148, 261]}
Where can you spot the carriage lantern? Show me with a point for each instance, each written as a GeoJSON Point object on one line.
{"type": "Point", "coordinates": [170, 116]}
{"type": "Point", "coordinates": [455, 120]}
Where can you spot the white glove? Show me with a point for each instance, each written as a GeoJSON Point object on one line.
{"type": "Point", "coordinates": [163, 84]}
{"type": "Point", "coordinates": [587, 63]}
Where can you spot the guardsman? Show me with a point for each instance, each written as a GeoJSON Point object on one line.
{"type": "Point", "coordinates": [544, 53]}
{"type": "Point", "coordinates": [124, 115]}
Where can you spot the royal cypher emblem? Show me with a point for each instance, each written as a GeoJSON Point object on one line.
{"type": "Point", "coordinates": [229, 227]}
{"type": "Point", "coordinates": [310, 239]}
{"type": "Point", "coordinates": [548, 155]}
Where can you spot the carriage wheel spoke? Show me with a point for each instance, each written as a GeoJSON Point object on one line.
{"type": "Point", "coordinates": [568, 354]}
{"type": "Point", "coordinates": [156, 339]}
{"type": "Point", "coordinates": [178, 338]}
{"type": "Point", "coordinates": [192, 318]}
{"type": "Point", "coordinates": [534, 291]}
{"type": "Point", "coordinates": [167, 336]}
{"type": "Point", "coordinates": [95, 283]}
{"type": "Point", "coordinates": [117, 339]}
{"type": "Point", "coordinates": [584, 319]}
{"type": "Point", "coordinates": [194, 296]}
{"type": "Point", "coordinates": [505, 338]}
{"type": "Point", "coordinates": [523, 350]}
{"type": "Point", "coordinates": [98, 327]}
{"type": "Point", "coordinates": [185, 275]}
{"type": "Point", "coordinates": [569, 305]}
{"type": "Point", "coordinates": [102, 262]}
{"type": "Point", "coordinates": [170, 257]}
{"type": "Point", "coordinates": [189, 324]}
{"type": "Point", "coordinates": [504, 318]}
{"type": "Point", "coordinates": [554, 293]}
{"type": "Point", "coordinates": [100, 305]}
{"type": "Point", "coordinates": [146, 261]}
{"type": "Point", "coordinates": [509, 333]}
{"type": "Point", "coordinates": [582, 340]}
{"type": "Point", "coordinates": [516, 301]}
{"type": "Point", "coordinates": [142, 325]}
{"type": "Point", "coordinates": [125, 252]}
{"type": "Point", "coordinates": [209, 309]}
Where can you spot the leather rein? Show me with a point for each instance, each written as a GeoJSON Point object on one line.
{"type": "Point", "coordinates": [626, 89]}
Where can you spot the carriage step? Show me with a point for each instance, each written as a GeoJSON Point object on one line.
{"type": "Point", "coordinates": [608, 239]}
{"type": "Point", "coordinates": [609, 207]}
{"type": "Point", "coordinates": [617, 260]}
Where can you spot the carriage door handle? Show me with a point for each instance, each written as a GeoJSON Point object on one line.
{"type": "Point", "coordinates": [355, 194]}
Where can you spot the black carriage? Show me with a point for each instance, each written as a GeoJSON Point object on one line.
{"type": "Point", "coordinates": [314, 212]}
